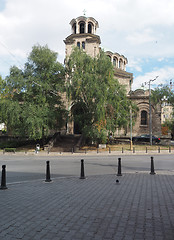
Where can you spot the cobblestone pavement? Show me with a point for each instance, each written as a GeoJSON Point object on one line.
{"type": "Point", "coordinates": [140, 206]}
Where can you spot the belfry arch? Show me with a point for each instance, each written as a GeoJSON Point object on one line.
{"type": "Point", "coordinates": [90, 27]}
{"type": "Point", "coordinates": [82, 27]}
{"type": "Point", "coordinates": [74, 29]}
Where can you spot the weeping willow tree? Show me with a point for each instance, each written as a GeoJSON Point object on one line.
{"type": "Point", "coordinates": [91, 87]}
{"type": "Point", "coordinates": [30, 102]}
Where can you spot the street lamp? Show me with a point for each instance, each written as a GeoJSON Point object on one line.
{"type": "Point", "coordinates": [150, 108]}
{"type": "Point", "coordinates": [130, 117]}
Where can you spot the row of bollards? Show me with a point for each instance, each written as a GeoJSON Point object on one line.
{"type": "Point", "coordinates": [48, 175]}
{"type": "Point", "coordinates": [152, 171]}
{"type": "Point", "coordinates": [82, 173]}
{"type": "Point", "coordinates": [133, 150]}
{"type": "Point", "coordinates": [122, 150]}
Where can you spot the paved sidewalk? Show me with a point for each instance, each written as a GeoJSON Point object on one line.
{"type": "Point", "coordinates": [140, 207]}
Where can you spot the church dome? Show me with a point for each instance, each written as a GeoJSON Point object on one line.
{"type": "Point", "coordinates": [84, 24]}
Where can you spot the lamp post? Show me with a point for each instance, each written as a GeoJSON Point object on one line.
{"type": "Point", "coordinates": [130, 118]}
{"type": "Point", "coordinates": [150, 108]}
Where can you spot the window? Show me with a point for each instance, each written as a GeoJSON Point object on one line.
{"type": "Point", "coordinates": [143, 118]}
{"type": "Point", "coordinates": [94, 51]}
{"type": "Point", "coordinates": [74, 28]}
{"type": "Point", "coordinates": [78, 44]}
{"type": "Point", "coordinates": [109, 57]}
{"type": "Point", "coordinates": [82, 27]}
{"type": "Point", "coordinates": [83, 45]}
{"type": "Point", "coordinates": [121, 64]}
{"type": "Point", "coordinates": [114, 62]}
{"type": "Point", "coordinates": [89, 28]}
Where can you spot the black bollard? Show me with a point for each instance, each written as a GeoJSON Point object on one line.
{"type": "Point", "coordinates": [119, 167]}
{"type": "Point", "coordinates": [169, 149]}
{"type": "Point", "coordinates": [48, 179]}
{"type": "Point", "coordinates": [3, 178]}
{"type": "Point", "coordinates": [109, 150]}
{"type": "Point", "coordinates": [82, 174]}
{"type": "Point", "coordinates": [133, 149]}
{"type": "Point", "coordinates": [152, 167]}
{"type": "Point", "coordinates": [146, 149]}
{"type": "Point", "coordinates": [122, 150]}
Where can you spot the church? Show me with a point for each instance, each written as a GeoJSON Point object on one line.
{"type": "Point", "coordinates": [83, 35]}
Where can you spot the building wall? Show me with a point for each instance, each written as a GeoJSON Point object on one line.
{"type": "Point", "coordinates": [92, 46]}
{"type": "Point", "coordinates": [166, 112]}
{"type": "Point", "coordinates": [141, 99]}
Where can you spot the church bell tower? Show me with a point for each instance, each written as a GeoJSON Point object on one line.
{"type": "Point", "coordinates": [83, 36]}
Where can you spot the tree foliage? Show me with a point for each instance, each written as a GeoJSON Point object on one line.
{"type": "Point", "coordinates": [100, 102]}
{"type": "Point", "coordinates": [166, 95]}
{"type": "Point", "coordinates": [161, 93]}
{"type": "Point", "coordinates": [30, 99]}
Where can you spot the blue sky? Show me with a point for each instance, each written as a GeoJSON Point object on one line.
{"type": "Point", "coordinates": [2, 5]}
{"type": "Point", "coordinates": [142, 31]}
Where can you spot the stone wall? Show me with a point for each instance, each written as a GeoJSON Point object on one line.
{"type": "Point", "coordinates": [141, 99]}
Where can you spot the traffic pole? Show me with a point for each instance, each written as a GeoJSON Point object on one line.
{"type": "Point", "coordinates": [82, 174]}
{"type": "Point", "coordinates": [119, 167]}
{"type": "Point", "coordinates": [3, 178]}
{"type": "Point", "coordinates": [152, 167]}
{"type": "Point", "coordinates": [48, 178]}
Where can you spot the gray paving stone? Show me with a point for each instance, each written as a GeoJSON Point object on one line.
{"type": "Point", "coordinates": [140, 207]}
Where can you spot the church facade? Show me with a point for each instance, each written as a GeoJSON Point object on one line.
{"type": "Point", "coordinates": [83, 35]}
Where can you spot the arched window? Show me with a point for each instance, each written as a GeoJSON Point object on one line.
{"type": "Point", "coordinates": [82, 27]}
{"type": "Point", "coordinates": [114, 62]}
{"type": "Point", "coordinates": [124, 65]}
{"type": "Point", "coordinates": [143, 117]}
{"type": "Point", "coordinates": [121, 64]}
{"type": "Point", "coordinates": [74, 28]}
{"type": "Point", "coordinates": [83, 45]}
{"type": "Point", "coordinates": [109, 57]}
{"type": "Point", "coordinates": [89, 28]}
{"type": "Point", "coordinates": [78, 44]}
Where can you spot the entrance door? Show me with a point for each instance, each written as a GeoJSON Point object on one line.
{"type": "Point", "coordinates": [78, 116]}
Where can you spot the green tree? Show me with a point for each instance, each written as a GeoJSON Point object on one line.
{"type": "Point", "coordinates": [101, 101]}
{"type": "Point", "coordinates": [159, 93]}
{"type": "Point", "coordinates": [164, 94]}
{"type": "Point", "coordinates": [31, 102]}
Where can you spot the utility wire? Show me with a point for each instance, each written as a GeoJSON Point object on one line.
{"type": "Point", "coordinates": [12, 55]}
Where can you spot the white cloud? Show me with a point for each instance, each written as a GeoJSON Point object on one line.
{"type": "Point", "coordinates": [164, 76]}
{"type": "Point", "coordinates": [136, 29]}
{"type": "Point", "coordinates": [135, 64]}
{"type": "Point", "coordinates": [142, 37]}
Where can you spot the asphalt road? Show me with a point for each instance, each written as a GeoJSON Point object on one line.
{"type": "Point", "coordinates": [28, 168]}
